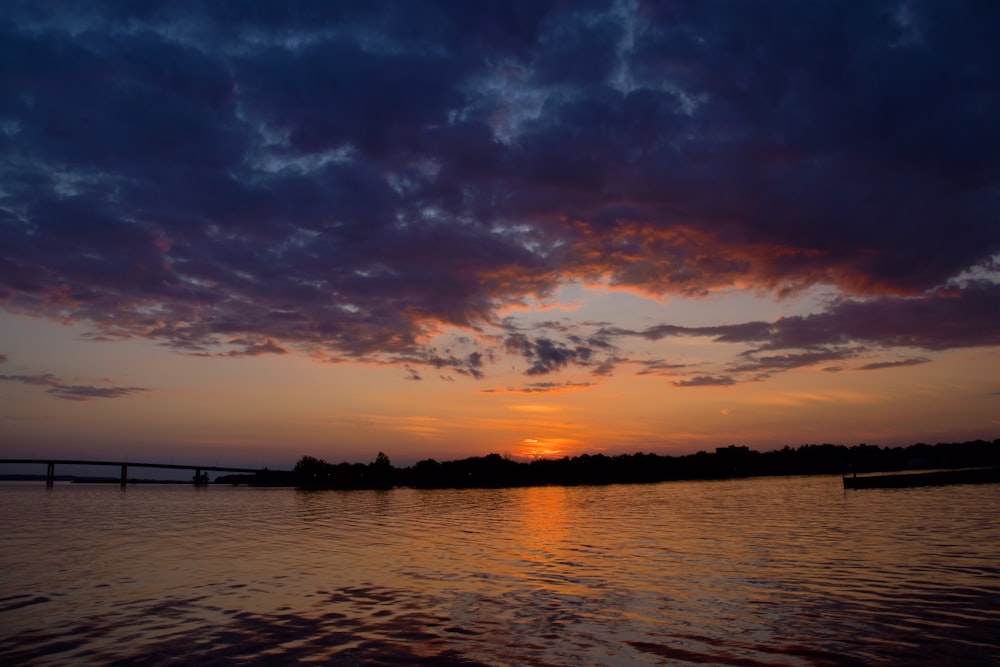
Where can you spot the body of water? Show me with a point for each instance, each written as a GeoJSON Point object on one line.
{"type": "Point", "coordinates": [783, 571]}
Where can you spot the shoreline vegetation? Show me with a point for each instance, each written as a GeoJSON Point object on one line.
{"type": "Point", "coordinates": [495, 471]}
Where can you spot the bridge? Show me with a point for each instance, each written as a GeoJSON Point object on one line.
{"type": "Point", "coordinates": [50, 475]}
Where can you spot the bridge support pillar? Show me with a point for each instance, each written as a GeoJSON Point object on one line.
{"type": "Point", "coordinates": [124, 475]}
{"type": "Point", "coordinates": [50, 474]}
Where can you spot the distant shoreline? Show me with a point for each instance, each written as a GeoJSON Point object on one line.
{"type": "Point", "coordinates": [732, 462]}
{"type": "Point", "coordinates": [495, 471]}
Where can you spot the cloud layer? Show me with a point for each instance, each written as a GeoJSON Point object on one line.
{"type": "Point", "coordinates": [71, 392]}
{"type": "Point", "coordinates": [353, 179]}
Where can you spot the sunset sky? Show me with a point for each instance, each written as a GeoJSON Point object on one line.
{"type": "Point", "coordinates": [241, 232]}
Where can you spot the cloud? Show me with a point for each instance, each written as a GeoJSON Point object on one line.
{"type": "Point", "coordinates": [848, 328]}
{"type": "Point", "coordinates": [784, 362]}
{"type": "Point", "coordinates": [246, 348]}
{"type": "Point", "coordinates": [250, 349]}
{"type": "Point", "coordinates": [470, 365]}
{"type": "Point", "coordinates": [43, 380]}
{"type": "Point", "coordinates": [607, 366]}
{"type": "Point", "coordinates": [3, 358]}
{"type": "Point", "coordinates": [541, 388]}
{"type": "Point", "coordinates": [87, 392]}
{"type": "Point", "coordinates": [659, 367]}
{"type": "Point", "coordinates": [71, 392]}
{"type": "Point", "coordinates": [935, 321]}
{"type": "Point", "coordinates": [546, 355]}
{"type": "Point", "coordinates": [355, 180]}
{"type": "Point", "coordinates": [913, 361]}
{"type": "Point", "coordinates": [706, 381]}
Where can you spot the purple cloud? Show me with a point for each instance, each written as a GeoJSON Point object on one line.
{"type": "Point", "coordinates": [540, 388]}
{"type": "Point", "coordinates": [350, 180]}
{"type": "Point", "coordinates": [706, 381]}
{"type": "Point", "coordinates": [546, 355]}
{"type": "Point", "coordinates": [246, 348]}
{"type": "Point", "coordinates": [938, 320]}
{"type": "Point", "coordinates": [879, 365]}
{"type": "Point", "coordinates": [71, 392]}
{"type": "Point", "coordinates": [783, 362]}
{"type": "Point", "coordinates": [929, 321]}
{"type": "Point", "coordinates": [87, 392]}
{"type": "Point", "coordinates": [659, 367]}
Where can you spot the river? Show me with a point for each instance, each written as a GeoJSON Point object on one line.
{"type": "Point", "coordinates": [770, 571]}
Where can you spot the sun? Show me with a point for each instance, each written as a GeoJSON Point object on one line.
{"type": "Point", "coordinates": [543, 448]}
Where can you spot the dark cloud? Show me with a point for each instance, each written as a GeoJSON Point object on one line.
{"type": "Point", "coordinates": [470, 365]}
{"type": "Point", "coordinates": [71, 392]}
{"type": "Point", "coordinates": [3, 358]}
{"type": "Point", "coordinates": [914, 361]}
{"type": "Point", "coordinates": [255, 349]}
{"type": "Point", "coordinates": [42, 380]}
{"type": "Point", "coordinates": [659, 367]}
{"type": "Point", "coordinates": [607, 366]}
{"type": "Point", "coordinates": [706, 381]}
{"type": "Point", "coordinates": [348, 178]}
{"type": "Point", "coordinates": [546, 355]}
{"type": "Point", "coordinates": [87, 392]}
{"type": "Point", "coordinates": [767, 364]}
{"type": "Point", "coordinates": [246, 348]}
{"type": "Point", "coordinates": [938, 320]}
{"type": "Point", "coordinates": [540, 388]}
{"type": "Point", "coordinates": [730, 333]}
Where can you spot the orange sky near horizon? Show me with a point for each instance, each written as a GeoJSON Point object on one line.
{"type": "Point", "coordinates": [273, 409]}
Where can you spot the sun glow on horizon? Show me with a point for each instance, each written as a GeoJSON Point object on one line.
{"type": "Point", "coordinates": [547, 448]}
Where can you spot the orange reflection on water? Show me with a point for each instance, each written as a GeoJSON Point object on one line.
{"type": "Point", "coordinates": [543, 517]}
{"type": "Point", "coordinates": [551, 553]}
{"type": "Point", "coordinates": [760, 571]}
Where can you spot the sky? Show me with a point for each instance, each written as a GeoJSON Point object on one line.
{"type": "Point", "coordinates": [238, 233]}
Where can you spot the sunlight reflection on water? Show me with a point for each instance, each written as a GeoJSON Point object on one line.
{"type": "Point", "coordinates": [784, 571]}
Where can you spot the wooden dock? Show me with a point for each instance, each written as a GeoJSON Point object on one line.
{"type": "Point", "coordinates": [936, 478]}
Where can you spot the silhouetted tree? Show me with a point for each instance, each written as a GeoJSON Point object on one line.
{"type": "Point", "coordinates": [380, 471]}
{"type": "Point", "coordinates": [311, 471]}
{"type": "Point", "coordinates": [733, 461]}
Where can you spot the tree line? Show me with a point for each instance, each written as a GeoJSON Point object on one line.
{"type": "Point", "coordinates": [734, 461]}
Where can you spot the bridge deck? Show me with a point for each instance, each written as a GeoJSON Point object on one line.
{"type": "Point", "coordinates": [133, 464]}
{"type": "Point", "coordinates": [200, 476]}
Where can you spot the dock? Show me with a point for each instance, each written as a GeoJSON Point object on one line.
{"type": "Point", "coordinates": [935, 478]}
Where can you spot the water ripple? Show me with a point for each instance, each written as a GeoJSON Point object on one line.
{"type": "Point", "coordinates": [788, 571]}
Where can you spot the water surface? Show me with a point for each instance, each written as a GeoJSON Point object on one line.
{"type": "Point", "coordinates": [783, 571]}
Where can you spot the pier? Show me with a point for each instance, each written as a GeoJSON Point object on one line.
{"type": "Point", "coordinates": [50, 468]}
{"type": "Point", "coordinates": [934, 478]}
